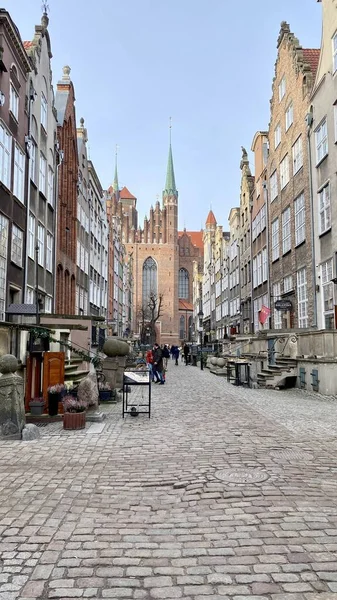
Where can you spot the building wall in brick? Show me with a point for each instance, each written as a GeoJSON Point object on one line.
{"type": "Point", "coordinates": [291, 66]}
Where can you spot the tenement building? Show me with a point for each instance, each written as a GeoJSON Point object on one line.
{"type": "Point", "coordinates": [322, 123]}
{"type": "Point", "coordinates": [290, 218]}
{"type": "Point", "coordinates": [246, 197]}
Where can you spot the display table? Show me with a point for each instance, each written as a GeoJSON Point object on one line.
{"type": "Point", "coordinates": [136, 392]}
{"type": "Point", "coordinates": [238, 372]}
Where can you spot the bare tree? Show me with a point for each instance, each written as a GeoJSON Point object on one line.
{"type": "Point", "coordinates": [147, 315]}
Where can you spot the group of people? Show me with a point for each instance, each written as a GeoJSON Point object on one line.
{"type": "Point", "coordinates": [157, 360]}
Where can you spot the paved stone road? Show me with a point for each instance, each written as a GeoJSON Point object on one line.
{"type": "Point", "coordinates": [224, 493]}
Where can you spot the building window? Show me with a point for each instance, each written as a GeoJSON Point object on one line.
{"type": "Point", "coordinates": [324, 209]}
{"type": "Point", "coordinates": [335, 119]}
{"type": "Point", "coordinates": [263, 217]}
{"type": "Point", "coordinates": [275, 244]}
{"type": "Point", "coordinates": [49, 253]}
{"type": "Point", "coordinates": [321, 137]}
{"type": "Point", "coordinates": [297, 155]}
{"type": "Point", "coordinates": [19, 174]}
{"type": "Point", "coordinates": [299, 207]}
{"type": "Point", "coordinates": [289, 116]}
{"type": "Point", "coordinates": [31, 236]}
{"type": "Point", "coordinates": [287, 283]}
{"type": "Point", "coordinates": [277, 313]}
{"type": "Point", "coordinates": [282, 88]}
{"type": "Point", "coordinates": [150, 282]}
{"type": "Point", "coordinates": [277, 135]}
{"type": "Point", "coordinates": [255, 272]}
{"type": "Point", "coordinates": [302, 298]}
{"type": "Point", "coordinates": [30, 295]}
{"type": "Point", "coordinates": [17, 245]}
{"type": "Point", "coordinates": [184, 280]}
{"type": "Point", "coordinates": [334, 53]}
{"type": "Point", "coordinates": [264, 264]}
{"type": "Point", "coordinates": [47, 304]}
{"type": "Point", "coordinates": [328, 295]}
{"type": "Point", "coordinates": [284, 171]}
{"type": "Point", "coordinates": [33, 161]}
{"type": "Point", "coordinates": [50, 192]}
{"type": "Point", "coordinates": [286, 231]}
{"type": "Point", "coordinates": [43, 172]}
{"type": "Point", "coordinates": [44, 112]}
{"type": "Point", "coordinates": [5, 156]}
{"type": "Point", "coordinates": [40, 241]}
{"type": "Point", "coordinates": [3, 263]}
{"type": "Point", "coordinates": [259, 268]}
{"type": "Point", "coordinates": [273, 186]}
{"type": "Point", "coordinates": [13, 101]}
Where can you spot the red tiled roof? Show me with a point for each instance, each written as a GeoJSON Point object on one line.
{"type": "Point", "coordinates": [27, 45]}
{"type": "Point", "coordinates": [126, 195]}
{"type": "Point", "coordinates": [184, 305]}
{"type": "Point", "coordinates": [311, 56]}
{"type": "Point", "coordinates": [211, 220]}
{"type": "Point", "coordinates": [195, 236]}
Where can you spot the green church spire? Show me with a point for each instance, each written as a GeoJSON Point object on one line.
{"type": "Point", "coordinates": [170, 185]}
{"type": "Point", "coordinates": [115, 183]}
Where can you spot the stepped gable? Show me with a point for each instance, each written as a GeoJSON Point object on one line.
{"type": "Point", "coordinates": [196, 237]}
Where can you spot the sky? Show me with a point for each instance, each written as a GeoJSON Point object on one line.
{"type": "Point", "coordinates": [208, 64]}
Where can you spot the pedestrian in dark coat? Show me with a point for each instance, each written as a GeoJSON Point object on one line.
{"type": "Point", "coordinates": [176, 355]}
{"type": "Point", "coordinates": [186, 351]}
{"type": "Point", "coordinates": [158, 364]}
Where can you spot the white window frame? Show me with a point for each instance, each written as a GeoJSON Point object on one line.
{"type": "Point", "coordinates": [277, 313]}
{"type": "Point", "coordinates": [289, 115]}
{"type": "Point", "coordinates": [41, 242]}
{"type": "Point", "coordinates": [17, 245]}
{"type": "Point", "coordinates": [5, 156]}
{"type": "Point", "coordinates": [273, 185]}
{"type": "Point", "coordinates": [31, 236]}
{"type": "Point", "coordinates": [42, 174]}
{"type": "Point", "coordinates": [334, 53]}
{"type": "Point", "coordinates": [288, 284]}
{"type": "Point", "coordinates": [302, 298]}
{"type": "Point", "coordinates": [297, 150]}
{"type": "Point", "coordinates": [277, 135]}
{"type": "Point", "coordinates": [259, 268]}
{"type": "Point", "coordinates": [299, 209]}
{"type": "Point", "coordinates": [284, 172]}
{"type": "Point", "coordinates": [19, 173]}
{"type": "Point", "coordinates": [263, 217]}
{"type": "Point", "coordinates": [282, 88]}
{"type": "Point", "coordinates": [275, 240]}
{"type": "Point", "coordinates": [321, 140]}
{"type": "Point", "coordinates": [44, 111]}
{"type": "Point", "coordinates": [50, 186]}
{"type": "Point", "coordinates": [255, 272]}
{"type": "Point", "coordinates": [13, 101]}
{"type": "Point", "coordinates": [30, 295]}
{"type": "Point", "coordinates": [4, 228]}
{"type": "Point", "coordinates": [264, 265]}
{"type": "Point", "coordinates": [327, 290]}
{"type": "Point", "coordinates": [33, 154]}
{"type": "Point", "coordinates": [48, 304]}
{"type": "Point", "coordinates": [49, 252]}
{"type": "Point", "coordinates": [286, 230]}
{"type": "Point", "coordinates": [324, 209]}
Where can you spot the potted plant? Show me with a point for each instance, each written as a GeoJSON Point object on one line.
{"type": "Point", "coordinates": [104, 391]}
{"type": "Point", "coordinates": [36, 406]}
{"type": "Point", "coordinates": [55, 393]}
{"type": "Point", "coordinates": [74, 416]}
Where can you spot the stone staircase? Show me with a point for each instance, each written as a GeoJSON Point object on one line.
{"type": "Point", "coordinates": [281, 375]}
{"type": "Point", "coordinates": [72, 375]}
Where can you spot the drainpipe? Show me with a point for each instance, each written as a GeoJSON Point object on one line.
{"type": "Point", "coordinates": [309, 121]}
{"type": "Point", "coordinates": [32, 96]}
{"type": "Point", "coordinates": [58, 162]}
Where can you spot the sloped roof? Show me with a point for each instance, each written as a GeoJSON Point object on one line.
{"type": "Point", "coordinates": [124, 193]}
{"type": "Point", "coordinates": [311, 56]}
{"type": "Point", "coordinates": [211, 220]}
{"type": "Point", "coordinates": [195, 236]}
{"type": "Point", "coordinates": [184, 305]}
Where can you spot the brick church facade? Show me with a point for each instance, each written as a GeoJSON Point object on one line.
{"type": "Point", "coordinates": [162, 258]}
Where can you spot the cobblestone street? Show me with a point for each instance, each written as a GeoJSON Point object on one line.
{"type": "Point", "coordinates": [224, 493]}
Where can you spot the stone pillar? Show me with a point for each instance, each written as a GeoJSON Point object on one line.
{"type": "Point", "coordinates": [12, 407]}
{"type": "Point", "coordinates": [114, 365]}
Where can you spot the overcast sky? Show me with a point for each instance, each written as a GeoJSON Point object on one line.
{"type": "Point", "coordinates": [207, 63]}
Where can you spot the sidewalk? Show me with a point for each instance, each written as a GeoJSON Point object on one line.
{"type": "Point", "coordinates": [224, 493]}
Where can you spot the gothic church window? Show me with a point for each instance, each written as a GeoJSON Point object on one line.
{"type": "Point", "coordinates": [150, 279]}
{"type": "Point", "coordinates": [184, 280]}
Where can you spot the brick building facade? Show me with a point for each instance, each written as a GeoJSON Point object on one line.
{"type": "Point", "coordinates": [67, 197]}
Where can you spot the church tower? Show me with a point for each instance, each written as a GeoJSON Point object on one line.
{"type": "Point", "coordinates": [170, 202]}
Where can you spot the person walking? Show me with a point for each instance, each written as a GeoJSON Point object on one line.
{"type": "Point", "coordinates": [166, 356]}
{"type": "Point", "coordinates": [149, 362]}
{"type": "Point", "coordinates": [158, 364]}
{"type": "Point", "coordinates": [175, 354]}
{"type": "Point", "coordinates": [186, 351]}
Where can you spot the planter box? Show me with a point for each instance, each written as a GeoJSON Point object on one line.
{"type": "Point", "coordinates": [36, 408]}
{"type": "Point", "coordinates": [74, 420]}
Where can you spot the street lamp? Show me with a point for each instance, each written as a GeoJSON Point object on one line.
{"type": "Point", "coordinates": [201, 316]}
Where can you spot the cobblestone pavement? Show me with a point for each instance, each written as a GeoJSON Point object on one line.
{"type": "Point", "coordinates": [224, 493]}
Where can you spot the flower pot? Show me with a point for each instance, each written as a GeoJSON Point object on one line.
{"type": "Point", "coordinates": [36, 408]}
{"type": "Point", "coordinates": [105, 395]}
{"type": "Point", "coordinates": [53, 404]}
{"type": "Point", "coordinates": [74, 420]}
